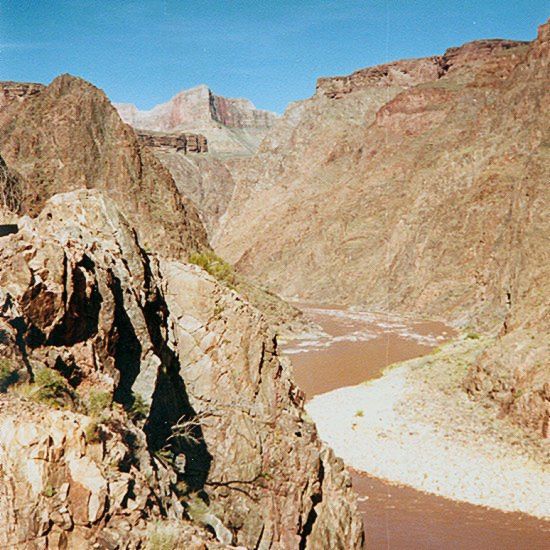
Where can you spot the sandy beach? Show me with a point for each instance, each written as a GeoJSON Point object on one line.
{"type": "Point", "coordinates": [416, 426]}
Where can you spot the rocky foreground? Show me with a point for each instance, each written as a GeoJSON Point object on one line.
{"type": "Point", "coordinates": [141, 400]}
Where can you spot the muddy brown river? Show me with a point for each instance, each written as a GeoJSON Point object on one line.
{"type": "Point", "coordinates": [357, 346]}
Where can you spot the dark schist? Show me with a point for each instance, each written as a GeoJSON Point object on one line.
{"type": "Point", "coordinates": [8, 229]}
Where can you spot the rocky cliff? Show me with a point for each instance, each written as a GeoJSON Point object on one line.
{"type": "Point", "coordinates": [68, 136]}
{"type": "Point", "coordinates": [421, 187]}
{"type": "Point", "coordinates": [184, 142]}
{"type": "Point", "coordinates": [231, 125]}
{"type": "Point", "coordinates": [11, 193]}
{"type": "Point", "coordinates": [141, 402]}
{"type": "Point", "coordinates": [12, 92]}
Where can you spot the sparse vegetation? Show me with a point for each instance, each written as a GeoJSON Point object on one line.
{"type": "Point", "coordinates": [98, 402]}
{"type": "Point", "coordinates": [93, 432]}
{"type": "Point", "coordinates": [473, 336]}
{"type": "Point", "coordinates": [216, 266]}
{"type": "Point", "coordinates": [49, 491]}
{"type": "Point", "coordinates": [139, 409]}
{"type": "Point", "coordinates": [162, 536]}
{"type": "Point", "coordinates": [197, 509]}
{"type": "Point", "coordinates": [187, 429]}
{"type": "Point", "coordinates": [8, 375]}
{"type": "Point", "coordinates": [359, 413]}
{"type": "Point", "coordinates": [51, 388]}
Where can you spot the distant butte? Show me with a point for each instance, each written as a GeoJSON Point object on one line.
{"type": "Point", "coordinates": [230, 125]}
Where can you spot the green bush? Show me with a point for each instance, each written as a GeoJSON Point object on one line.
{"type": "Point", "coordinates": [214, 265]}
{"type": "Point", "coordinates": [138, 410]}
{"type": "Point", "coordinates": [52, 389]}
{"type": "Point", "coordinates": [162, 537]}
{"type": "Point", "coordinates": [97, 402]}
{"type": "Point", "coordinates": [8, 375]}
{"type": "Point", "coordinates": [93, 432]}
{"type": "Point", "coordinates": [49, 491]}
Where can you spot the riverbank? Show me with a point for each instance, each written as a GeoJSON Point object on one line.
{"type": "Point", "coordinates": [416, 426]}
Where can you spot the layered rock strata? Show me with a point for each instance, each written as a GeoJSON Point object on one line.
{"type": "Point", "coordinates": [185, 143]}
{"type": "Point", "coordinates": [419, 187]}
{"type": "Point", "coordinates": [232, 126]}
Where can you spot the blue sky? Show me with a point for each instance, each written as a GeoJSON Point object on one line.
{"type": "Point", "coordinates": [269, 51]}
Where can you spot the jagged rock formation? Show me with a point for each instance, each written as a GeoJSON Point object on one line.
{"type": "Point", "coordinates": [68, 136]}
{"type": "Point", "coordinates": [11, 193]}
{"type": "Point", "coordinates": [186, 143]}
{"type": "Point", "coordinates": [232, 126]}
{"type": "Point", "coordinates": [418, 186]}
{"type": "Point", "coordinates": [174, 404]}
{"type": "Point", "coordinates": [11, 92]}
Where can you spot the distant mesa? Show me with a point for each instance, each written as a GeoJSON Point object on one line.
{"type": "Point", "coordinates": [232, 126]}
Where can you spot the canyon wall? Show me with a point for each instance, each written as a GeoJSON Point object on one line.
{"type": "Point", "coordinates": [360, 197]}
{"type": "Point", "coordinates": [68, 136]}
{"type": "Point", "coordinates": [231, 125]}
{"type": "Point", "coordinates": [421, 187]}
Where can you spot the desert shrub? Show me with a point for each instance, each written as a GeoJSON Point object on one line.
{"type": "Point", "coordinates": [138, 409]}
{"type": "Point", "coordinates": [359, 413]}
{"type": "Point", "coordinates": [98, 402]}
{"type": "Point", "coordinates": [473, 336]}
{"type": "Point", "coordinates": [8, 375]}
{"type": "Point", "coordinates": [216, 266]}
{"type": "Point", "coordinates": [93, 432]}
{"type": "Point", "coordinates": [162, 536]}
{"type": "Point", "coordinates": [196, 508]}
{"type": "Point", "coordinates": [49, 491]}
{"type": "Point", "coordinates": [51, 388]}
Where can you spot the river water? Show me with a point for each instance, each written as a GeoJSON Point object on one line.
{"type": "Point", "coordinates": [357, 346]}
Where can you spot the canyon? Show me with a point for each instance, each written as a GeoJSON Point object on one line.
{"type": "Point", "coordinates": [144, 396]}
{"type": "Point", "coordinates": [418, 187]}
{"type": "Point", "coordinates": [141, 398]}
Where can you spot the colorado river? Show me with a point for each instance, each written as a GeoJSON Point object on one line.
{"type": "Point", "coordinates": [357, 346]}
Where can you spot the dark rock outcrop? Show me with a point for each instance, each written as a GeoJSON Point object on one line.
{"type": "Point", "coordinates": [198, 424]}
{"type": "Point", "coordinates": [68, 136]}
{"type": "Point", "coordinates": [184, 142]}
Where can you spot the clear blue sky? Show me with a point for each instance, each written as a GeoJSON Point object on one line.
{"type": "Point", "coordinates": [270, 51]}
